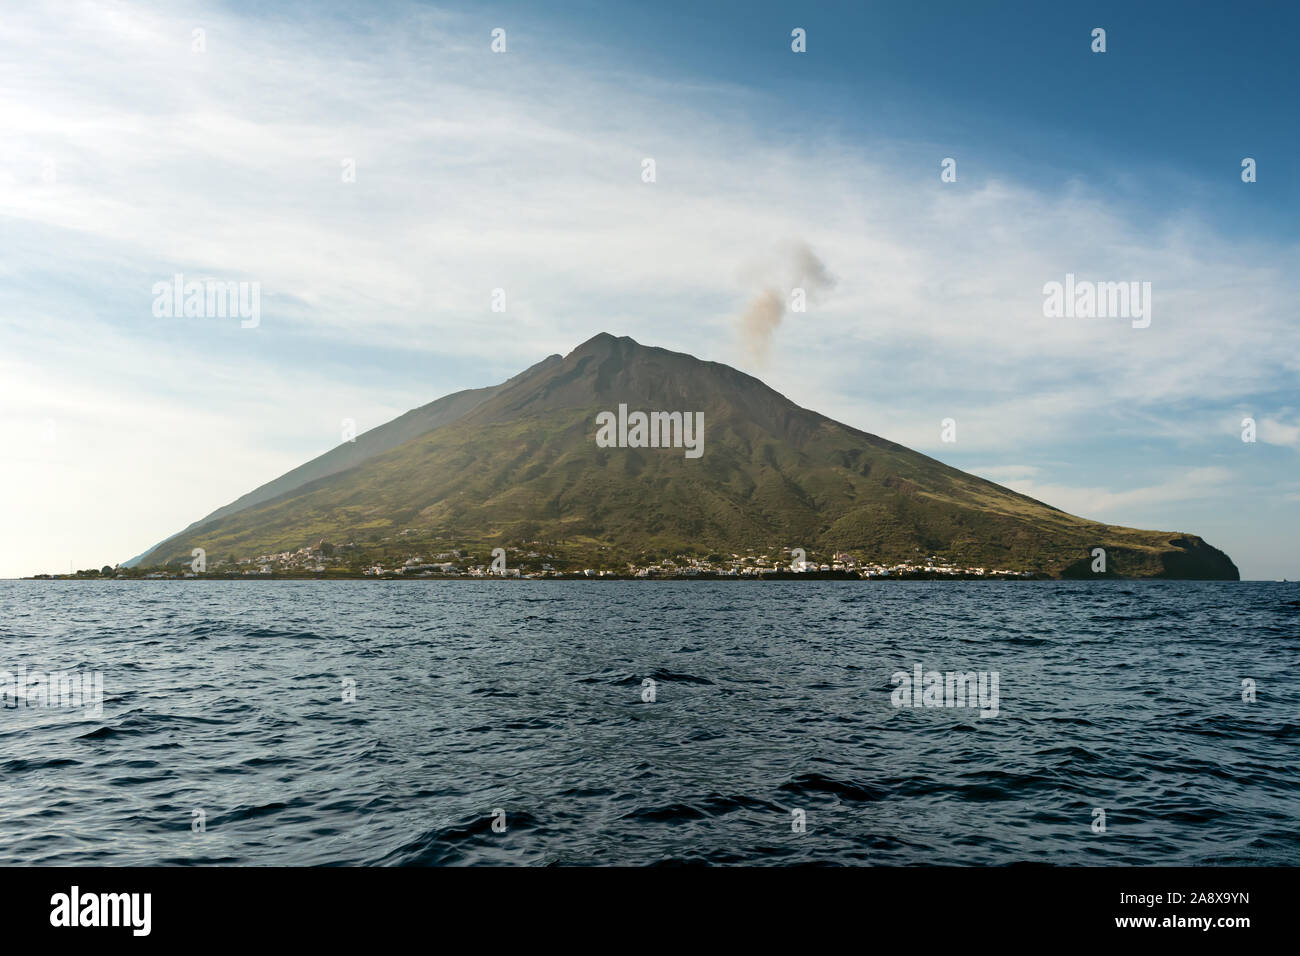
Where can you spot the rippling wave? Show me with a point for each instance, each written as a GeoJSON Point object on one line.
{"type": "Point", "coordinates": [507, 723]}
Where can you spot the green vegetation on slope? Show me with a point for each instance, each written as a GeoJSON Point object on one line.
{"type": "Point", "coordinates": [522, 465]}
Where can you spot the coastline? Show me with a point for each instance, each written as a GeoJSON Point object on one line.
{"type": "Point", "coordinates": [778, 576]}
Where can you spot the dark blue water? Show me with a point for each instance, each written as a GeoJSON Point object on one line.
{"type": "Point", "coordinates": [771, 697]}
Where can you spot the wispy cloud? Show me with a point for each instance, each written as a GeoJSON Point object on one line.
{"type": "Point", "coordinates": [1119, 506]}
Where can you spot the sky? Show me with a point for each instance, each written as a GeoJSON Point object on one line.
{"type": "Point", "coordinates": [379, 170]}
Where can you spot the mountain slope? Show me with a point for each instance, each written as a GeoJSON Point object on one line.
{"type": "Point", "coordinates": [522, 464]}
{"type": "Point", "coordinates": [418, 421]}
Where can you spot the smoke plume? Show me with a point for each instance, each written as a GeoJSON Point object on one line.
{"type": "Point", "coordinates": [795, 276]}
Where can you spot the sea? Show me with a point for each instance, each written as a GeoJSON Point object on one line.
{"type": "Point", "coordinates": [433, 723]}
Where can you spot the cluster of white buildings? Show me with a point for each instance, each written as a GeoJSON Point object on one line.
{"type": "Point", "coordinates": [748, 565]}
{"type": "Point", "coordinates": [794, 561]}
{"type": "Point", "coordinates": [304, 559]}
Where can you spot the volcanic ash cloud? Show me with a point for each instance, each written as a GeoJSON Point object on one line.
{"type": "Point", "coordinates": [805, 277]}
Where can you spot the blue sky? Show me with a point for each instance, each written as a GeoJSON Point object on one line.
{"type": "Point", "coordinates": [132, 156]}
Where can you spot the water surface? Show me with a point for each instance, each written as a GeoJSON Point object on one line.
{"type": "Point", "coordinates": [770, 697]}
